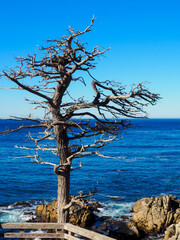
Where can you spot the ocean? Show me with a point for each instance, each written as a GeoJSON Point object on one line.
{"type": "Point", "coordinates": [149, 167]}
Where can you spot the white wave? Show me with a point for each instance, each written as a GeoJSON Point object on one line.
{"type": "Point", "coordinates": [115, 210]}
{"type": "Point", "coordinates": [110, 208]}
{"type": "Point", "coordinates": [12, 213]}
{"type": "Point", "coordinates": [19, 213]}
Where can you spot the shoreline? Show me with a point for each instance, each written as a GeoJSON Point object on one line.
{"type": "Point", "coordinates": [116, 227]}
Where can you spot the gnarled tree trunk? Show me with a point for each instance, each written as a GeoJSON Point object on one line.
{"type": "Point", "coordinates": [63, 174]}
{"type": "Point", "coordinates": [63, 195]}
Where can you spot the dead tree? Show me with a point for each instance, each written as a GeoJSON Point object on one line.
{"type": "Point", "coordinates": [48, 77]}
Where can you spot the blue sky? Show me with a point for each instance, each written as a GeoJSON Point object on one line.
{"type": "Point", "coordinates": [144, 37]}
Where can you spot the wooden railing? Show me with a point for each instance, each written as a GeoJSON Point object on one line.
{"type": "Point", "coordinates": [64, 231]}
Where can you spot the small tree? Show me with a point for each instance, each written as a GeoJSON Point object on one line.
{"type": "Point", "coordinates": [48, 78]}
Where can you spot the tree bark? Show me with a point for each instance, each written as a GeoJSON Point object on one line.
{"type": "Point", "coordinates": [63, 174]}
{"type": "Point", "coordinates": [63, 195]}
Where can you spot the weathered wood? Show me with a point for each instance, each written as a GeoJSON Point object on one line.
{"type": "Point", "coordinates": [32, 225]}
{"type": "Point", "coordinates": [85, 233]}
{"type": "Point", "coordinates": [69, 237]}
{"type": "Point", "coordinates": [63, 173]}
{"type": "Point", "coordinates": [33, 235]}
{"type": "Point", "coordinates": [68, 234]}
{"type": "Point", "coordinates": [63, 191]}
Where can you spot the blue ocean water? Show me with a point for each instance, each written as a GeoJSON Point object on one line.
{"type": "Point", "coordinates": [149, 167]}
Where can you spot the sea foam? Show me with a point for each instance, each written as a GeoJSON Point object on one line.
{"type": "Point", "coordinates": [115, 210]}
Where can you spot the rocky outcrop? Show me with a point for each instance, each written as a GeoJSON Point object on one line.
{"type": "Point", "coordinates": [124, 230]}
{"type": "Point", "coordinates": [173, 232]}
{"type": "Point", "coordinates": [81, 213]}
{"type": "Point", "coordinates": [22, 204]}
{"type": "Point", "coordinates": [151, 216]}
{"type": "Point", "coordinates": [83, 217]}
{"type": "Point", "coordinates": [47, 213]}
{"type": "Point", "coordinates": [154, 215]}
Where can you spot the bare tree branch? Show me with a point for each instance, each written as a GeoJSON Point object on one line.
{"type": "Point", "coordinates": [23, 127]}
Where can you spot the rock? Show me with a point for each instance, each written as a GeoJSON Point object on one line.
{"type": "Point", "coordinates": [177, 216]}
{"type": "Point", "coordinates": [125, 230]}
{"type": "Point", "coordinates": [22, 204]}
{"type": "Point", "coordinates": [83, 217]}
{"type": "Point", "coordinates": [113, 222]}
{"type": "Point", "coordinates": [47, 213]}
{"type": "Point", "coordinates": [124, 217]}
{"type": "Point", "coordinates": [94, 227]}
{"type": "Point", "coordinates": [173, 232]}
{"type": "Point", "coordinates": [81, 213]}
{"type": "Point", "coordinates": [154, 215]}
{"type": "Point", "coordinates": [104, 218]}
{"type": "Point", "coordinates": [32, 220]}
{"type": "Point", "coordinates": [104, 227]}
{"type": "Point", "coordinates": [28, 213]}
{"type": "Point", "coordinates": [95, 206]}
{"type": "Point", "coordinates": [118, 230]}
{"type": "Point", "coordinates": [3, 205]}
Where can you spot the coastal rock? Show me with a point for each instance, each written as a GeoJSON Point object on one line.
{"type": "Point", "coordinates": [104, 227]}
{"type": "Point", "coordinates": [83, 217]}
{"type": "Point", "coordinates": [154, 215]}
{"type": "Point", "coordinates": [124, 217]}
{"type": "Point", "coordinates": [96, 206]}
{"type": "Point", "coordinates": [47, 213]}
{"type": "Point", "coordinates": [173, 232]}
{"type": "Point", "coordinates": [28, 213]}
{"type": "Point", "coordinates": [81, 213]}
{"type": "Point", "coordinates": [22, 204]}
{"type": "Point", "coordinates": [124, 231]}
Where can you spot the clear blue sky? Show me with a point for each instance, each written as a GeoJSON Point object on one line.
{"type": "Point", "coordinates": [144, 36]}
